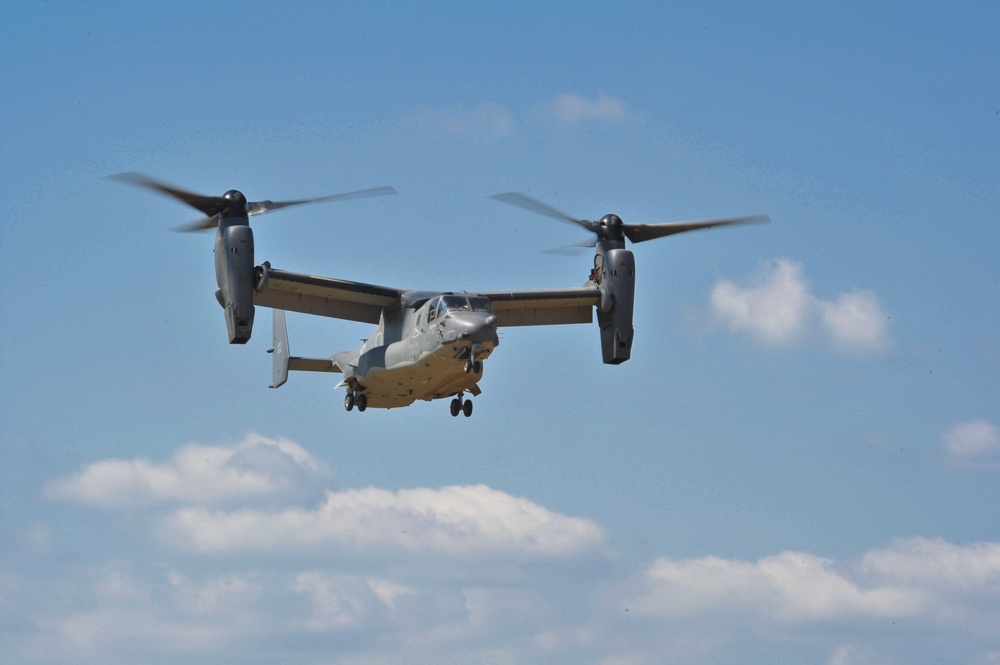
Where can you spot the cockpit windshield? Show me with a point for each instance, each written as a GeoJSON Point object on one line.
{"type": "Point", "coordinates": [481, 304]}
{"type": "Point", "coordinates": [465, 304]}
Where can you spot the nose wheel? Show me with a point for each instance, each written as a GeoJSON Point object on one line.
{"type": "Point", "coordinates": [461, 405]}
{"type": "Point", "coordinates": [473, 366]}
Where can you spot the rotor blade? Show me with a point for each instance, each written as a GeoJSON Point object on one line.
{"type": "Point", "coordinates": [534, 205]}
{"type": "Point", "coordinates": [643, 232]}
{"type": "Point", "coordinates": [574, 249]}
{"type": "Point", "coordinates": [261, 207]}
{"type": "Point", "coordinates": [210, 205]}
{"type": "Point", "coordinates": [200, 224]}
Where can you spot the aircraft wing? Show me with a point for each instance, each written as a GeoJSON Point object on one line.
{"type": "Point", "coordinates": [323, 296]}
{"type": "Point", "coordinates": [544, 307]}
{"type": "Point", "coordinates": [355, 301]}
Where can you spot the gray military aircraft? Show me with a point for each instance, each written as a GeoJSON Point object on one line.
{"type": "Point", "coordinates": [426, 345]}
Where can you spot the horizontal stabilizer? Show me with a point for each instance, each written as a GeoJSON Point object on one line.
{"type": "Point", "coordinates": [313, 365]}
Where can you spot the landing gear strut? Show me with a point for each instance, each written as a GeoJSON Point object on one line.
{"type": "Point", "coordinates": [461, 405]}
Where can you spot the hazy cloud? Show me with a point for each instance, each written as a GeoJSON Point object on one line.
{"type": "Point", "coordinates": [257, 466]}
{"type": "Point", "coordinates": [776, 306]}
{"type": "Point", "coordinates": [973, 442]}
{"type": "Point", "coordinates": [572, 108]}
{"type": "Point", "coordinates": [484, 120]}
{"type": "Point", "coordinates": [457, 521]}
{"type": "Point", "coordinates": [487, 120]}
{"type": "Point", "coordinates": [340, 602]}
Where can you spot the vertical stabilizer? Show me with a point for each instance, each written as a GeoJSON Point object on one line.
{"type": "Point", "coordinates": [279, 350]}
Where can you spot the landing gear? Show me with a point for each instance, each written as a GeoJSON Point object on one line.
{"type": "Point", "coordinates": [461, 405]}
{"type": "Point", "coordinates": [356, 399]}
{"type": "Point", "coordinates": [472, 365]}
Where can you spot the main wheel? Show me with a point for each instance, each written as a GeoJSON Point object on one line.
{"type": "Point", "coordinates": [349, 401]}
{"type": "Point", "coordinates": [467, 408]}
{"type": "Point", "coordinates": [468, 366]}
{"type": "Point", "coordinates": [456, 406]}
{"type": "Point", "coordinates": [477, 367]}
{"type": "Point", "coordinates": [362, 402]}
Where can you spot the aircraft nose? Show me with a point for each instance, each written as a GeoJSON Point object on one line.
{"type": "Point", "coordinates": [479, 328]}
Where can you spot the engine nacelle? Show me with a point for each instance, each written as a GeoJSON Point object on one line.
{"type": "Point", "coordinates": [616, 271]}
{"type": "Point", "coordinates": [234, 272]}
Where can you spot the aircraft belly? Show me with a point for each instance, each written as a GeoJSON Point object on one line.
{"type": "Point", "coordinates": [437, 374]}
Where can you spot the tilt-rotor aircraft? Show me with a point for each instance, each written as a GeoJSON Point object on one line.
{"type": "Point", "coordinates": [426, 345]}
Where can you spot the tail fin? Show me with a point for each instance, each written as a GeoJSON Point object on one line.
{"type": "Point", "coordinates": [279, 350]}
{"type": "Point", "coordinates": [283, 360]}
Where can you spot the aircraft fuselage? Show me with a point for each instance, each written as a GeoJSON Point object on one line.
{"type": "Point", "coordinates": [428, 352]}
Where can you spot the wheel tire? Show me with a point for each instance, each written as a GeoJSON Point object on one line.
{"type": "Point", "coordinates": [468, 366]}
{"type": "Point", "coordinates": [349, 402]}
{"type": "Point", "coordinates": [362, 402]}
{"type": "Point", "coordinates": [467, 408]}
{"type": "Point", "coordinates": [456, 406]}
{"type": "Point", "coordinates": [477, 367]}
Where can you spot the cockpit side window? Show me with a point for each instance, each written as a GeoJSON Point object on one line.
{"type": "Point", "coordinates": [432, 310]}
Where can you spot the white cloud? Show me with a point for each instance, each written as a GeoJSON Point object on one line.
{"type": "Point", "coordinates": [972, 441]}
{"type": "Point", "coordinates": [456, 521]}
{"type": "Point", "coordinates": [776, 306]}
{"type": "Point", "coordinates": [791, 586]}
{"type": "Point", "coordinates": [484, 120]}
{"type": "Point", "coordinates": [926, 580]}
{"type": "Point", "coordinates": [257, 466]}
{"type": "Point", "coordinates": [572, 108]}
{"type": "Point", "coordinates": [938, 566]}
{"type": "Point", "coordinates": [856, 321]}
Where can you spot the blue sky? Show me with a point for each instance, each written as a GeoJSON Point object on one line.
{"type": "Point", "coordinates": [800, 462]}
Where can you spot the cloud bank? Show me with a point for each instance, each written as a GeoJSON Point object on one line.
{"type": "Point", "coordinates": [776, 306]}
{"type": "Point", "coordinates": [913, 601]}
{"type": "Point", "coordinates": [467, 573]}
